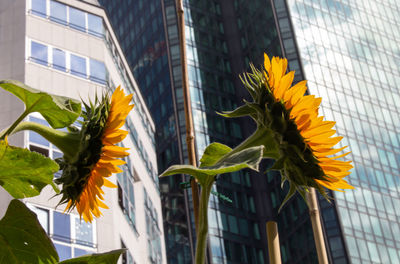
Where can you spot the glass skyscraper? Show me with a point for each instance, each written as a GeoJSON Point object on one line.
{"type": "Point", "coordinates": [350, 55]}
{"type": "Point", "coordinates": [344, 48]}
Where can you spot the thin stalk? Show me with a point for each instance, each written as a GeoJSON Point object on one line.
{"type": "Point", "coordinates": [202, 232]}
{"type": "Point", "coordinates": [188, 109]}
{"type": "Point", "coordinates": [317, 227]}
{"type": "Point", "coordinates": [12, 127]}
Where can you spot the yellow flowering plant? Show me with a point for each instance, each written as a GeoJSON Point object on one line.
{"type": "Point", "coordinates": [289, 130]}
{"type": "Point", "coordinates": [90, 157]}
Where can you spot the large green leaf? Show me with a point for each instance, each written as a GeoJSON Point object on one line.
{"type": "Point", "coordinates": [22, 239]}
{"type": "Point", "coordinates": [246, 158]}
{"type": "Point", "coordinates": [59, 111]}
{"type": "Point", "coordinates": [24, 173]}
{"type": "Point", "coordinates": [103, 258]}
{"type": "Point", "coordinates": [214, 152]}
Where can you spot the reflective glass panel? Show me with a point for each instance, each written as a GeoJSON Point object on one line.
{"type": "Point", "coordinates": [39, 53]}
{"type": "Point", "coordinates": [83, 233]}
{"type": "Point", "coordinates": [39, 7]}
{"type": "Point", "coordinates": [78, 66]}
{"type": "Point", "coordinates": [58, 12]}
{"type": "Point", "coordinates": [58, 59]}
{"type": "Point", "coordinates": [80, 252]}
{"type": "Point", "coordinates": [64, 252]}
{"type": "Point", "coordinates": [77, 19]}
{"type": "Point", "coordinates": [95, 25]}
{"type": "Point", "coordinates": [97, 71]}
{"type": "Point", "coordinates": [61, 227]}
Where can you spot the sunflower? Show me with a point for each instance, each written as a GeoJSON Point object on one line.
{"type": "Point", "coordinates": [85, 173]}
{"type": "Point", "coordinates": [312, 130]}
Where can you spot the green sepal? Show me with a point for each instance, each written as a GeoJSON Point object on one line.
{"type": "Point", "coordinates": [22, 238]}
{"type": "Point", "coordinates": [278, 164]}
{"type": "Point", "coordinates": [247, 158]}
{"type": "Point", "coordinates": [110, 257]}
{"type": "Point", "coordinates": [59, 111]}
{"type": "Point", "coordinates": [292, 191]}
{"type": "Point", "coordinates": [24, 173]}
{"type": "Point", "coordinates": [244, 110]}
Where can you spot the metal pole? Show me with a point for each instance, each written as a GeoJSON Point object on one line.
{"type": "Point", "coordinates": [188, 110]}
{"type": "Point", "coordinates": [274, 251]}
{"type": "Point", "coordinates": [317, 227]}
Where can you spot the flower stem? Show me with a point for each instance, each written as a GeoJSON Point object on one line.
{"type": "Point", "coordinates": [3, 133]}
{"type": "Point", "coordinates": [67, 142]}
{"type": "Point", "coordinates": [202, 232]}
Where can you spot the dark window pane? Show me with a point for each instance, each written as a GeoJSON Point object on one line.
{"type": "Point", "coordinates": [58, 59]}
{"type": "Point", "coordinates": [43, 151]}
{"type": "Point", "coordinates": [97, 71]}
{"type": "Point", "coordinates": [78, 66]}
{"type": "Point", "coordinates": [62, 227]}
{"type": "Point", "coordinates": [64, 252]}
{"type": "Point", "coordinates": [39, 7]}
{"type": "Point", "coordinates": [77, 19]}
{"type": "Point", "coordinates": [39, 53]}
{"type": "Point", "coordinates": [58, 12]}
{"type": "Point", "coordinates": [95, 25]}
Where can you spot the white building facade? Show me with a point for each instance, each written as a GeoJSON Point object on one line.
{"type": "Point", "coordinates": [68, 48]}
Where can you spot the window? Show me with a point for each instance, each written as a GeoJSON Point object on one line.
{"type": "Point", "coordinates": [42, 215]}
{"type": "Point", "coordinates": [78, 66]}
{"type": "Point", "coordinates": [126, 195]}
{"type": "Point", "coordinates": [95, 25]}
{"type": "Point", "coordinates": [39, 7]}
{"type": "Point", "coordinates": [97, 71]}
{"type": "Point", "coordinates": [59, 231]}
{"type": "Point", "coordinates": [39, 53]}
{"type": "Point", "coordinates": [61, 227]}
{"type": "Point", "coordinates": [77, 19]}
{"type": "Point", "coordinates": [58, 12]}
{"type": "Point", "coordinates": [59, 59]}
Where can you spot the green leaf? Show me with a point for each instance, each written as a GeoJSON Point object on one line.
{"type": "Point", "coordinates": [59, 111]}
{"type": "Point", "coordinates": [110, 257]}
{"type": "Point", "coordinates": [244, 110]}
{"type": "Point", "coordinates": [22, 239]}
{"type": "Point", "coordinates": [24, 173]}
{"type": "Point", "coordinates": [246, 158]}
{"type": "Point", "coordinates": [214, 152]}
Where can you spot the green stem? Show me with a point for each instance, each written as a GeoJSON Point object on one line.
{"type": "Point", "coordinates": [12, 127]}
{"type": "Point", "coordinates": [67, 142]}
{"type": "Point", "coordinates": [201, 244]}
{"type": "Point", "coordinates": [262, 136]}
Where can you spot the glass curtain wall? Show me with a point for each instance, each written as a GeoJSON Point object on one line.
{"type": "Point", "coordinates": [351, 58]}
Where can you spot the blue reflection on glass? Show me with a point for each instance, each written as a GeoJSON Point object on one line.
{"type": "Point", "coordinates": [61, 227]}
{"type": "Point", "coordinates": [34, 137]}
{"type": "Point", "coordinates": [59, 59]}
{"type": "Point", "coordinates": [64, 252]}
{"type": "Point", "coordinates": [80, 252]}
{"type": "Point", "coordinates": [95, 25]}
{"type": "Point", "coordinates": [58, 12]}
{"type": "Point", "coordinates": [84, 233]}
{"type": "Point", "coordinates": [77, 19]}
{"type": "Point", "coordinates": [39, 7]}
{"type": "Point", "coordinates": [39, 53]}
{"type": "Point", "coordinates": [97, 71]}
{"type": "Point", "coordinates": [78, 66]}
